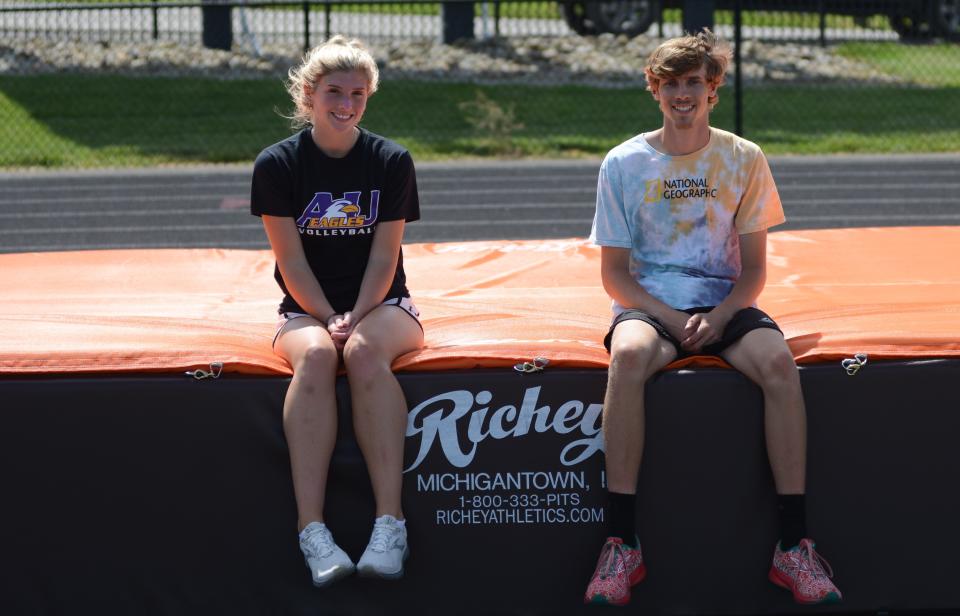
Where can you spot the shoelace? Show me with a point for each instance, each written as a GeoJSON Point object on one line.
{"type": "Point", "coordinates": [607, 565]}
{"type": "Point", "coordinates": [813, 562]}
{"type": "Point", "coordinates": [320, 543]}
{"type": "Point", "coordinates": [381, 536]}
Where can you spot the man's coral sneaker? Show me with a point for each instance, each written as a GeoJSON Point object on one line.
{"type": "Point", "coordinates": [805, 573]}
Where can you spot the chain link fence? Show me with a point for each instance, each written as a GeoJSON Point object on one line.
{"type": "Point", "coordinates": [95, 83]}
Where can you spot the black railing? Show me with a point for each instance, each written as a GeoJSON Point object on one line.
{"type": "Point", "coordinates": [782, 19]}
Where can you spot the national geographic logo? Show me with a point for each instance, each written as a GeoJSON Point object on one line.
{"type": "Point", "coordinates": [652, 193]}
{"type": "Point", "coordinates": [679, 188]}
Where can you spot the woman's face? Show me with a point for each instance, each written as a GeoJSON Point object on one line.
{"type": "Point", "coordinates": [338, 101]}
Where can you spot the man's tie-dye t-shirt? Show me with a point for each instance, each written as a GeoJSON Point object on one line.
{"type": "Point", "coordinates": [682, 216]}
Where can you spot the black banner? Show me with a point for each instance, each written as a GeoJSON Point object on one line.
{"type": "Point", "coordinates": [166, 495]}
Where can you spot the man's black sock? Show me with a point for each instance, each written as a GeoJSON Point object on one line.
{"type": "Point", "coordinates": [792, 510]}
{"type": "Point", "coordinates": [623, 517]}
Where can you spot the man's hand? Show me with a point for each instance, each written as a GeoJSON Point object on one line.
{"type": "Point", "coordinates": [703, 329]}
{"type": "Point", "coordinates": [675, 323]}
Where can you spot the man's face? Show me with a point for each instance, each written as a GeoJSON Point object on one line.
{"type": "Point", "coordinates": [683, 99]}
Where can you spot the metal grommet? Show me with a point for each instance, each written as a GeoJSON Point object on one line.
{"type": "Point", "coordinates": [537, 365]}
{"type": "Point", "coordinates": [214, 373]}
{"type": "Point", "coordinates": [853, 364]}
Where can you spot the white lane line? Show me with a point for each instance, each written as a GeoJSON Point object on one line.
{"type": "Point", "coordinates": [204, 188]}
{"type": "Point", "coordinates": [139, 245]}
{"type": "Point", "coordinates": [151, 229]}
{"type": "Point", "coordinates": [841, 172]}
{"type": "Point", "coordinates": [236, 202]}
{"type": "Point", "coordinates": [872, 187]}
{"type": "Point", "coordinates": [905, 201]}
{"type": "Point", "coordinates": [254, 225]}
{"type": "Point", "coordinates": [551, 206]}
{"type": "Point", "coordinates": [65, 197]}
{"type": "Point", "coordinates": [586, 206]}
{"type": "Point", "coordinates": [918, 218]}
{"type": "Point", "coordinates": [55, 184]}
{"type": "Point", "coordinates": [105, 213]}
{"type": "Point", "coordinates": [425, 178]}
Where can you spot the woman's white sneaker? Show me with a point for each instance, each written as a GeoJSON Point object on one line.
{"type": "Point", "coordinates": [386, 551]}
{"type": "Point", "coordinates": [327, 562]}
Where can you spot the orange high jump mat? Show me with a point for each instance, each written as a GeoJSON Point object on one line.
{"type": "Point", "coordinates": [891, 293]}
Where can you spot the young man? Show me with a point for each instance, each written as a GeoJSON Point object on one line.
{"type": "Point", "coordinates": [682, 218]}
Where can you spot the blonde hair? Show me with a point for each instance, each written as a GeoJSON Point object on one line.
{"type": "Point", "coordinates": [339, 54]}
{"type": "Point", "coordinates": [683, 54]}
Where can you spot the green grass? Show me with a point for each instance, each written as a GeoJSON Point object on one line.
{"type": "Point", "coordinates": [785, 19]}
{"type": "Point", "coordinates": [91, 121]}
{"type": "Point", "coordinates": [826, 120]}
{"type": "Point", "coordinates": [101, 120]}
{"type": "Point", "coordinates": [932, 65]}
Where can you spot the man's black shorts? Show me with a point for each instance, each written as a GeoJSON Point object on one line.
{"type": "Point", "coordinates": [743, 321]}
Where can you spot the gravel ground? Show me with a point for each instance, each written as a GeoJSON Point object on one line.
{"type": "Point", "coordinates": [605, 61]}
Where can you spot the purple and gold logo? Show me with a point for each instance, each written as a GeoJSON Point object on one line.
{"type": "Point", "coordinates": [342, 216]}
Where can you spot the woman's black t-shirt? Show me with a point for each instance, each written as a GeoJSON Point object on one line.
{"type": "Point", "coordinates": [336, 204]}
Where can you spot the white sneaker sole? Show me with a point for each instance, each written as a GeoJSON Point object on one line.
{"type": "Point", "coordinates": [336, 575]}
{"type": "Point", "coordinates": [371, 572]}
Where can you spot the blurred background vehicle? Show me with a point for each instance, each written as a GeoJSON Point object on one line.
{"type": "Point", "coordinates": [913, 19]}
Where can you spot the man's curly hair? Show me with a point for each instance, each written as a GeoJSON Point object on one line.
{"type": "Point", "coordinates": [681, 55]}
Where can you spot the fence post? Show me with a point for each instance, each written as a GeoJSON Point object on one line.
{"type": "Point", "coordinates": [658, 7]}
{"type": "Point", "coordinates": [697, 15]}
{"type": "Point", "coordinates": [156, 20]}
{"type": "Point", "coordinates": [306, 26]}
{"type": "Point", "coordinates": [457, 21]}
{"type": "Point", "coordinates": [822, 10]}
{"type": "Point", "coordinates": [738, 68]}
{"type": "Point", "coordinates": [217, 25]}
{"type": "Point", "coordinates": [326, 21]}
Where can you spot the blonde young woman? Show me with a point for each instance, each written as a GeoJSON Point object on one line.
{"type": "Point", "coordinates": [334, 199]}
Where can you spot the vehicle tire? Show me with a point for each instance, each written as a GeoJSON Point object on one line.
{"type": "Point", "coordinates": [910, 27]}
{"type": "Point", "coordinates": [629, 17]}
{"type": "Point", "coordinates": [575, 14]}
{"type": "Point", "coordinates": [946, 19]}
